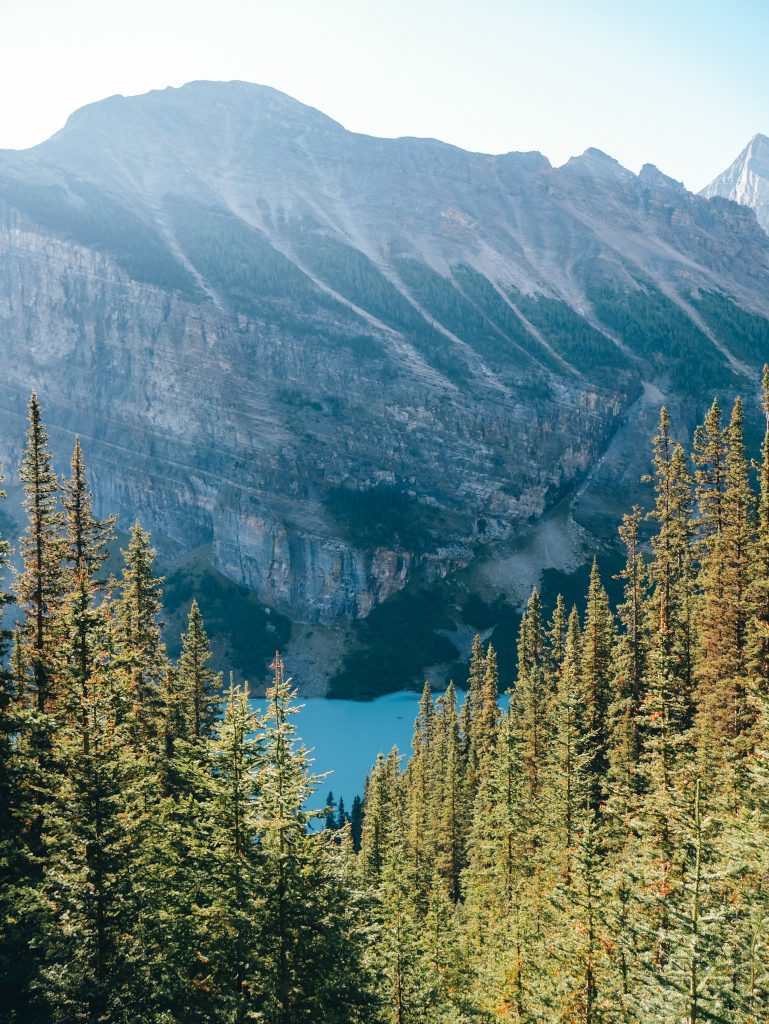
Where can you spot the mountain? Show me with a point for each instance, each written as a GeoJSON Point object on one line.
{"type": "Point", "coordinates": [746, 181]}
{"type": "Point", "coordinates": [362, 387]}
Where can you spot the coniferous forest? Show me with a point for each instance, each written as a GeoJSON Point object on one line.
{"type": "Point", "coordinates": [596, 852]}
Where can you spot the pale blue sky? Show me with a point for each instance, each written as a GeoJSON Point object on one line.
{"type": "Point", "coordinates": [678, 83]}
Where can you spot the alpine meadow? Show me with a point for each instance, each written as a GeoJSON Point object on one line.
{"type": "Point", "coordinates": [384, 512]}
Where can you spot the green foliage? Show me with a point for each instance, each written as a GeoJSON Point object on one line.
{"type": "Point", "coordinates": [654, 328]}
{"type": "Point", "coordinates": [246, 633]}
{"type": "Point", "coordinates": [595, 854]}
{"type": "Point", "coordinates": [745, 334]}
{"type": "Point", "coordinates": [384, 515]}
{"type": "Point", "coordinates": [397, 640]}
{"type": "Point", "coordinates": [440, 297]}
{"type": "Point", "coordinates": [571, 335]}
{"type": "Point", "coordinates": [88, 216]}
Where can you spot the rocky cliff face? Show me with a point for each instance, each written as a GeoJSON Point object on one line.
{"type": "Point", "coordinates": [746, 181]}
{"type": "Point", "coordinates": [328, 361]}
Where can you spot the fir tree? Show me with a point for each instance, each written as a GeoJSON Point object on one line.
{"type": "Point", "coordinates": [723, 709]}
{"type": "Point", "coordinates": [757, 639]}
{"type": "Point", "coordinates": [300, 980]}
{"type": "Point", "coordinates": [568, 784]}
{"type": "Point", "coordinates": [196, 680]}
{"type": "Point", "coordinates": [596, 670]}
{"type": "Point", "coordinates": [139, 627]}
{"type": "Point", "coordinates": [42, 583]}
{"type": "Point", "coordinates": [451, 813]}
{"type": "Point", "coordinates": [89, 847]}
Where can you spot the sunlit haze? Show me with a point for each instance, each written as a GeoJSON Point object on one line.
{"type": "Point", "coordinates": [681, 85]}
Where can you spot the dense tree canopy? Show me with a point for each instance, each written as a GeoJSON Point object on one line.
{"type": "Point", "coordinates": [595, 853]}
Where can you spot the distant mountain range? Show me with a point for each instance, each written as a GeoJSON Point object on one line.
{"type": "Point", "coordinates": [352, 375]}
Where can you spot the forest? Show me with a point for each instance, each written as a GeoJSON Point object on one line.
{"type": "Point", "coordinates": [595, 853]}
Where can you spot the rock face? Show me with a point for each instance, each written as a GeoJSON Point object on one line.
{"type": "Point", "coordinates": [328, 360]}
{"type": "Point", "coordinates": [746, 181]}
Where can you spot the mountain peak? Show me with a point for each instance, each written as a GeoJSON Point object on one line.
{"type": "Point", "coordinates": [595, 163]}
{"type": "Point", "coordinates": [746, 180]}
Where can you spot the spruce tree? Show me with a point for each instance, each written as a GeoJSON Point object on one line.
{"type": "Point", "coordinates": [300, 980]}
{"type": "Point", "coordinates": [19, 870]}
{"type": "Point", "coordinates": [200, 684]}
{"type": "Point", "coordinates": [596, 670]}
{"type": "Point", "coordinates": [80, 616]}
{"type": "Point", "coordinates": [229, 970]}
{"type": "Point", "coordinates": [724, 714]}
{"type": "Point", "coordinates": [757, 639]}
{"type": "Point", "coordinates": [451, 814]}
{"type": "Point", "coordinates": [629, 663]}
{"type": "Point", "coordinates": [89, 848]}
{"type": "Point", "coordinates": [138, 630]}
{"type": "Point", "coordinates": [42, 583]}
{"type": "Point", "coordinates": [531, 698]}
{"type": "Point", "coordinates": [568, 781]}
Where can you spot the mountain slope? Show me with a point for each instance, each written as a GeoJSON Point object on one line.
{"type": "Point", "coordinates": [335, 366]}
{"type": "Point", "coordinates": [746, 181]}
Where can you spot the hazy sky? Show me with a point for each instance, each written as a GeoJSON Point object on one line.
{"type": "Point", "coordinates": [678, 83]}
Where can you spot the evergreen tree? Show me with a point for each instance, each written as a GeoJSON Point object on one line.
{"type": "Point", "coordinates": [727, 514]}
{"type": "Point", "coordinates": [596, 670]}
{"type": "Point", "coordinates": [139, 627]}
{"type": "Point", "coordinates": [568, 783]}
{"type": "Point", "coordinates": [80, 617]}
{"type": "Point", "coordinates": [18, 868]}
{"type": "Point", "coordinates": [451, 813]}
{"type": "Point", "coordinates": [629, 663]}
{"type": "Point", "coordinates": [196, 680]}
{"type": "Point", "coordinates": [356, 822]}
{"type": "Point", "coordinates": [530, 699]}
{"type": "Point", "coordinates": [41, 584]}
{"type": "Point", "coordinates": [671, 572]}
{"type": "Point", "coordinates": [757, 639]}
{"type": "Point", "coordinates": [300, 980]}
{"type": "Point", "coordinates": [237, 906]}
{"type": "Point", "coordinates": [89, 847]}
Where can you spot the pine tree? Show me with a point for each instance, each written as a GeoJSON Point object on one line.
{"type": "Point", "coordinates": [568, 783]}
{"type": "Point", "coordinates": [556, 641]}
{"type": "Point", "coordinates": [575, 983]}
{"type": "Point", "coordinates": [139, 627]}
{"type": "Point", "coordinates": [671, 572]}
{"type": "Point", "coordinates": [237, 755]}
{"type": "Point", "coordinates": [451, 813]}
{"type": "Point", "coordinates": [530, 699]}
{"type": "Point", "coordinates": [89, 847]}
{"type": "Point", "coordinates": [596, 670]}
{"type": "Point", "coordinates": [421, 799]}
{"type": "Point", "coordinates": [200, 684]}
{"type": "Point", "coordinates": [9, 724]}
{"type": "Point", "coordinates": [757, 639]}
{"type": "Point", "coordinates": [709, 456]}
{"type": "Point", "coordinates": [384, 812]}
{"type": "Point", "coordinates": [87, 536]}
{"type": "Point", "coordinates": [724, 714]}
{"type": "Point", "coordinates": [42, 583]}
{"type": "Point", "coordinates": [629, 664]}
{"type": "Point", "coordinates": [356, 822]}
{"type": "Point", "coordinates": [18, 870]}
{"type": "Point", "coordinates": [80, 617]}
{"type": "Point", "coordinates": [300, 980]}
